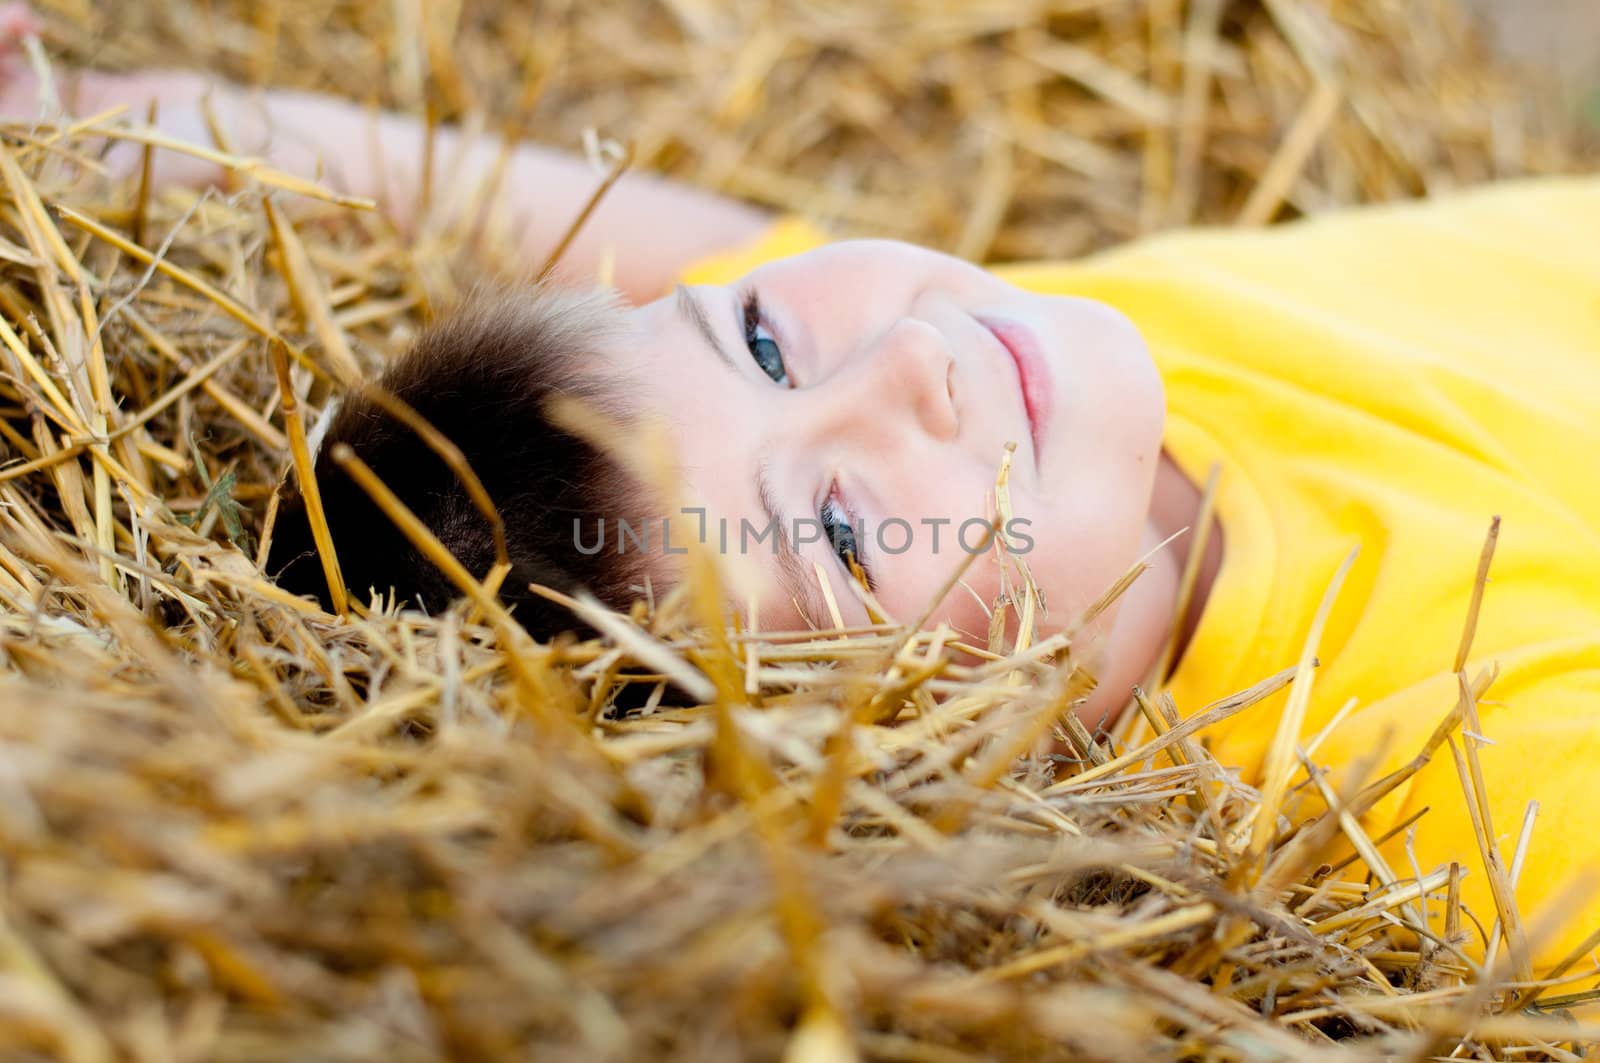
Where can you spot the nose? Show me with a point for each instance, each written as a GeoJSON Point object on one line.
{"type": "Point", "coordinates": [912, 368]}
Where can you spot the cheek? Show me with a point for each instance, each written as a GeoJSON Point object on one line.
{"type": "Point", "coordinates": [970, 606]}
{"type": "Point", "coordinates": [1084, 552]}
{"type": "Point", "coordinates": [908, 583]}
{"type": "Point", "coordinates": [966, 608]}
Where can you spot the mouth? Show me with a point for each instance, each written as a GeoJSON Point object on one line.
{"type": "Point", "coordinates": [1033, 376]}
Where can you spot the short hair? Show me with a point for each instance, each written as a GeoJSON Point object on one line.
{"type": "Point", "coordinates": [485, 378]}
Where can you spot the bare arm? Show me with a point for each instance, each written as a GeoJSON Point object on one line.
{"type": "Point", "coordinates": [649, 226]}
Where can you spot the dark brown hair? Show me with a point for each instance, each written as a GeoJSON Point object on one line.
{"type": "Point", "coordinates": [484, 378]}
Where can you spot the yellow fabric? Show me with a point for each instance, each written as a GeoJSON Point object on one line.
{"type": "Point", "coordinates": [1393, 377]}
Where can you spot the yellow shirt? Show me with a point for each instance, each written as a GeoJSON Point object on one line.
{"type": "Point", "coordinates": [1391, 377]}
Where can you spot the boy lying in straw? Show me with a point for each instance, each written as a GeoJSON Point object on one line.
{"type": "Point", "coordinates": [1387, 379]}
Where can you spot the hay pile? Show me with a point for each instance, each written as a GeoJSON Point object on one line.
{"type": "Point", "coordinates": [233, 827]}
{"type": "Point", "coordinates": [999, 129]}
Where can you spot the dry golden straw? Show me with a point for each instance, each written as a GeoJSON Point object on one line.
{"type": "Point", "coordinates": [236, 827]}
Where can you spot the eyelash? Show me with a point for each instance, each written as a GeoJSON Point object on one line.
{"type": "Point", "coordinates": [841, 531]}
{"type": "Point", "coordinates": [841, 534]}
{"type": "Point", "coordinates": [752, 336]}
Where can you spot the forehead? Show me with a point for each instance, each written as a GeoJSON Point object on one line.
{"type": "Point", "coordinates": [854, 261]}
{"type": "Point", "coordinates": [700, 411]}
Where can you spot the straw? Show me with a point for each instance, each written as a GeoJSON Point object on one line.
{"type": "Point", "coordinates": [237, 827]}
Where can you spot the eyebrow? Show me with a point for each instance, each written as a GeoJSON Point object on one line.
{"type": "Point", "coordinates": [797, 582]}
{"type": "Point", "coordinates": [691, 307]}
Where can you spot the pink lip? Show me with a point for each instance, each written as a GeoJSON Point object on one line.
{"type": "Point", "coordinates": [1033, 376]}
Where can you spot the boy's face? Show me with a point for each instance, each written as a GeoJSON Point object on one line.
{"type": "Point", "coordinates": [873, 386]}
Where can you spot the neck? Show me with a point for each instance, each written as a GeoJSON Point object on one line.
{"type": "Point", "coordinates": [1146, 617]}
{"type": "Point", "coordinates": [1174, 508]}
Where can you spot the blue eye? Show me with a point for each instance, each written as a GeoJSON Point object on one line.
{"type": "Point", "coordinates": [763, 347]}
{"type": "Point", "coordinates": [842, 537]}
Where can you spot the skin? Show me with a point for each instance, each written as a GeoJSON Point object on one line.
{"type": "Point", "coordinates": [900, 401]}
{"type": "Point", "coordinates": [900, 397]}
